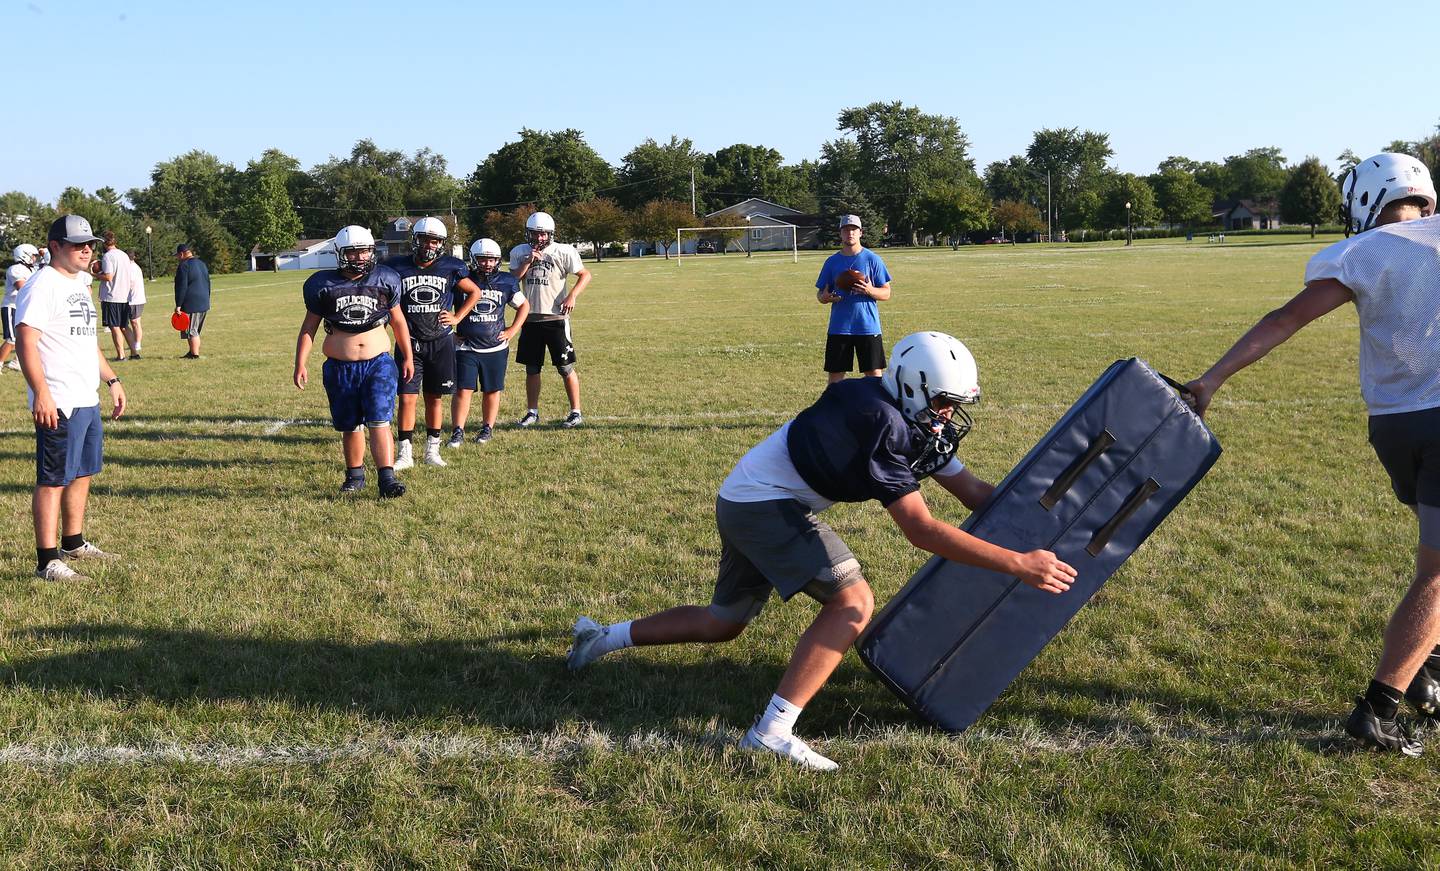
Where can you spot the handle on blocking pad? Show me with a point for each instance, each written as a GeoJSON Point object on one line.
{"type": "Point", "coordinates": [1179, 388]}
{"type": "Point", "coordinates": [1067, 478]}
{"type": "Point", "coordinates": [1104, 533]}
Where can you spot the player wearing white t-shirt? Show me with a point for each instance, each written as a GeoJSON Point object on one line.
{"type": "Point", "coordinates": [542, 266]}
{"type": "Point", "coordinates": [114, 273]}
{"type": "Point", "coordinates": [137, 307]}
{"type": "Point", "coordinates": [26, 259]}
{"type": "Point", "coordinates": [1390, 270]}
{"type": "Point", "coordinates": [56, 326]}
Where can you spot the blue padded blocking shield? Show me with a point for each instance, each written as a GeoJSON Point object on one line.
{"type": "Point", "coordinates": [1091, 491]}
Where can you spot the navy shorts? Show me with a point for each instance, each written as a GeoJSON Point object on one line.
{"type": "Point", "coordinates": [1408, 445]}
{"type": "Point", "coordinates": [71, 450]}
{"type": "Point", "coordinates": [434, 366]}
{"type": "Point", "coordinates": [115, 314]}
{"type": "Point", "coordinates": [482, 370]}
{"type": "Point", "coordinates": [7, 322]}
{"type": "Point", "coordinates": [841, 352]}
{"type": "Point", "coordinates": [361, 391]}
{"type": "Point", "coordinates": [537, 336]}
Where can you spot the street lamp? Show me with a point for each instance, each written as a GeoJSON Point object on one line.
{"type": "Point", "coordinates": [149, 252]}
{"type": "Point", "coordinates": [1129, 231]}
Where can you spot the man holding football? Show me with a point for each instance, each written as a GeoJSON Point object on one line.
{"type": "Point", "coordinates": [1389, 267]}
{"type": "Point", "coordinates": [865, 438]}
{"type": "Point", "coordinates": [851, 281]}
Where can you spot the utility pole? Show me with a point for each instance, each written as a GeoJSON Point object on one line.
{"type": "Point", "coordinates": [692, 192]}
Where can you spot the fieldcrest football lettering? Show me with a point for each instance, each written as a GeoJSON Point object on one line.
{"type": "Point", "coordinates": [82, 309]}
{"type": "Point", "coordinates": [423, 293]}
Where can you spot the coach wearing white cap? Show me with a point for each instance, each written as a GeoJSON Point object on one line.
{"type": "Point", "coordinates": [60, 356]}
{"type": "Point", "coordinates": [852, 280]}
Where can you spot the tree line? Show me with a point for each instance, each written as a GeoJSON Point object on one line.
{"type": "Point", "coordinates": [897, 167]}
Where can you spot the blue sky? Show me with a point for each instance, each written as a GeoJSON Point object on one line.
{"type": "Point", "coordinates": [121, 86]}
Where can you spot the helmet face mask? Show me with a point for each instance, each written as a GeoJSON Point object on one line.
{"type": "Point", "coordinates": [1376, 182]}
{"type": "Point", "coordinates": [485, 257]}
{"type": "Point", "coordinates": [26, 254]}
{"type": "Point", "coordinates": [427, 239]}
{"type": "Point", "coordinates": [539, 230]}
{"type": "Point", "coordinates": [932, 377]}
{"type": "Point", "coordinates": [354, 251]}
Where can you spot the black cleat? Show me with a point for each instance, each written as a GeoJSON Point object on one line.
{"type": "Point", "coordinates": [1385, 736]}
{"type": "Point", "coordinates": [1424, 695]}
{"type": "Point", "coordinates": [392, 490]}
{"type": "Point", "coordinates": [352, 485]}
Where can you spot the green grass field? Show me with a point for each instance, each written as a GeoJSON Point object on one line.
{"type": "Point", "coordinates": [278, 676]}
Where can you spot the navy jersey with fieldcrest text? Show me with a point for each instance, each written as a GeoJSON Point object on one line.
{"type": "Point", "coordinates": [352, 305]}
{"type": "Point", "coordinates": [426, 292]}
{"type": "Point", "coordinates": [481, 328]}
{"type": "Point", "coordinates": [853, 445]}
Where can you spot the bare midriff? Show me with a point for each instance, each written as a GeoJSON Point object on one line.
{"type": "Point", "coordinates": [356, 346]}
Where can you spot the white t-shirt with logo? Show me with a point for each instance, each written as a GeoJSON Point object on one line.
{"type": "Point", "coordinates": [60, 308]}
{"type": "Point", "coordinates": [115, 263]}
{"type": "Point", "coordinates": [137, 284]}
{"type": "Point", "coordinates": [545, 281]}
{"type": "Point", "coordinates": [1394, 272]}
{"type": "Point", "coordinates": [14, 277]}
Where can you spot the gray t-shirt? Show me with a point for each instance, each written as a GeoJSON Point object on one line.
{"type": "Point", "coordinates": [117, 264]}
{"type": "Point", "coordinates": [1394, 272]}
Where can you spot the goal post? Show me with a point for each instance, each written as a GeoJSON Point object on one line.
{"type": "Point", "coordinates": [751, 239]}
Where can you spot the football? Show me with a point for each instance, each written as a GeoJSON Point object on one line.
{"type": "Point", "coordinates": [849, 278]}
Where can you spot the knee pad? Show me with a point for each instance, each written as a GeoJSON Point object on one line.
{"type": "Point", "coordinates": [565, 370]}
{"type": "Point", "coordinates": [376, 424]}
{"type": "Point", "coordinates": [1429, 525]}
{"type": "Point", "coordinates": [830, 582]}
{"type": "Point", "coordinates": [533, 368]}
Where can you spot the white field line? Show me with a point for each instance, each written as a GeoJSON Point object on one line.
{"type": "Point", "coordinates": [553, 747]}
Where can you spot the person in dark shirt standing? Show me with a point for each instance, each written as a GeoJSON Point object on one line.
{"type": "Point", "coordinates": [355, 301]}
{"type": "Point", "coordinates": [192, 296]}
{"type": "Point", "coordinates": [865, 438]}
{"type": "Point", "coordinates": [429, 280]}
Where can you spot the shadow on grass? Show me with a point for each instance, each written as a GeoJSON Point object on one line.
{"type": "Point", "coordinates": [501, 681]}
{"type": "Point", "coordinates": [119, 458]}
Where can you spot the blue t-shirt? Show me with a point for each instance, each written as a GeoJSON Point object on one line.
{"type": "Point", "coordinates": [425, 293]}
{"type": "Point", "coordinates": [854, 314]}
{"type": "Point", "coordinates": [481, 328]}
{"type": "Point", "coordinates": [352, 305]}
{"type": "Point", "coordinates": [853, 445]}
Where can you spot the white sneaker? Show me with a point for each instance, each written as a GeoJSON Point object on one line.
{"type": "Point", "coordinates": [432, 453]}
{"type": "Point", "coordinates": [56, 570]}
{"type": "Point", "coordinates": [586, 637]}
{"type": "Point", "coordinates": [573, 419]}
{"type": "Point", "coordinates": [404, 456]}
{"type": "Point", "coordinates": [86, 550]}
{"type": "Point", "coordinates": [12, 365]}
{"type": "Point", "coordinates": [790, 747]}
{"type": "Point", "coordinates": [530, 419]}
{"type": "Point", "coordinates": [457, 438]}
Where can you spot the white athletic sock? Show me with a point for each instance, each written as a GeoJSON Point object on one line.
{"type": "Point", "coordinates": [533, 410]}
{"type": "Point", "coordinates": [779, 717]}
{"type": "Point", "coordinates": [616, 637]}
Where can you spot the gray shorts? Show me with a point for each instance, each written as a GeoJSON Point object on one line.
{"type": "Point", "coordinates": [197, 323]}
{"type": "Point", "coordinates": [776, 545]}
{"type": "Point", "coordinates": [136, 311]}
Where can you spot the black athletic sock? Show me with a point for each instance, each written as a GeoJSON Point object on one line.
{"type": "Point", "coordinates": [43, 556]}
{"type": "Point", "coordinates": [432, 433]}
{"type": "Point", "coordinates": [387, 475]}
{"type": "Point", "coordinates": [405, 434]}
{"type": "Point", "coordinates": [355, 473]}
{"type": "Point", "coordinates": [70, 542]}
{"type": "Point", "coordinates": [1384, 700]}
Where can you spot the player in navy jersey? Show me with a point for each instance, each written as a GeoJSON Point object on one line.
{"type": "Point", "coordinates": [484, 342]}
{"type": "Point", "coordinates": [429, 281]}
{"type": "Point", "coordinates": [865, 438]}
{"type": "Point", "coordinates": [355, 301]}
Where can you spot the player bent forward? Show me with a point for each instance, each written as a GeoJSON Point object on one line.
{"type": "Point", "coordinates": [355, 302]}
{"type": "Point", "coordinates": [865, 438]}
{"type": "Point", "coordinates": [1391, 271]}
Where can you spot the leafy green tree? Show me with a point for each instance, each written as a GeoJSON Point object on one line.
{"type": "Point", "coordinates": [951, 210]}
{"type": "Point", "coordinates": [657, 221]}
{"type": "Point", "coordinates": [216, 245]}
{"type": "Point", "coordinates": [549, 169]}
{"type": "Point", "coordinates": [1258, 174]}
{"type": "Point", "coordinates": [1310, 195]}
{"type": "Point", "coordinates": [738, 172]}
{"type": "Point", "coordinates": [1179, 198]}
{"type": "Point", "coordinates": [1346, 161]}
{"type": "Point", "coordinates": [365, 188]}
{"type": "Point", "coordinates": [598, 221]}
{"type": "Point", "coordinates": [196, 184]}
{"type": "Point", "coordinates": [656, 171]}
{"type": "Point", "coordinates": [267, 218]}
{"type": "Point", "coordinates": [902, 153]}
{"type": "Point", "coordinates": [506, 227]}
{"type": "Point", "coordinates": [23, 219]}
{"type": "Point", "coordinates": [1012, 218]}
{"type": "Point", "coordinates": [846, 198]}
{"type": "Point", "coordinates": [1122, 188]}
{"type": "Point", "coordinates": [1075, 161]}
{"type": "Point", "coordinates": [1015, 179]}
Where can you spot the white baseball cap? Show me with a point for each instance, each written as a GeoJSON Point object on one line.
{"type": "Point", "coordinates": [850, 221]}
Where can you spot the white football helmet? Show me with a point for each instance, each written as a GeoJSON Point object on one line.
{"type": "Point", "coordinates": [355, 250]}
{"type": "Point", "coordinates": [484, 248]}
{"type": "Point", "coordinates": [929, 369]}
{"type": "Point", "coordinates": [539, 222]}
{"type": "Point", "coordinates": [427, 239]}
{"type": "Point", "coordinates": [1378, 181]}
{"type": "Point", "coordinates": [26, 254]}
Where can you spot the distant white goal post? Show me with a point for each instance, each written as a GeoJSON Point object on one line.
{"type": "Point", "coordinates": [750, 239]}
